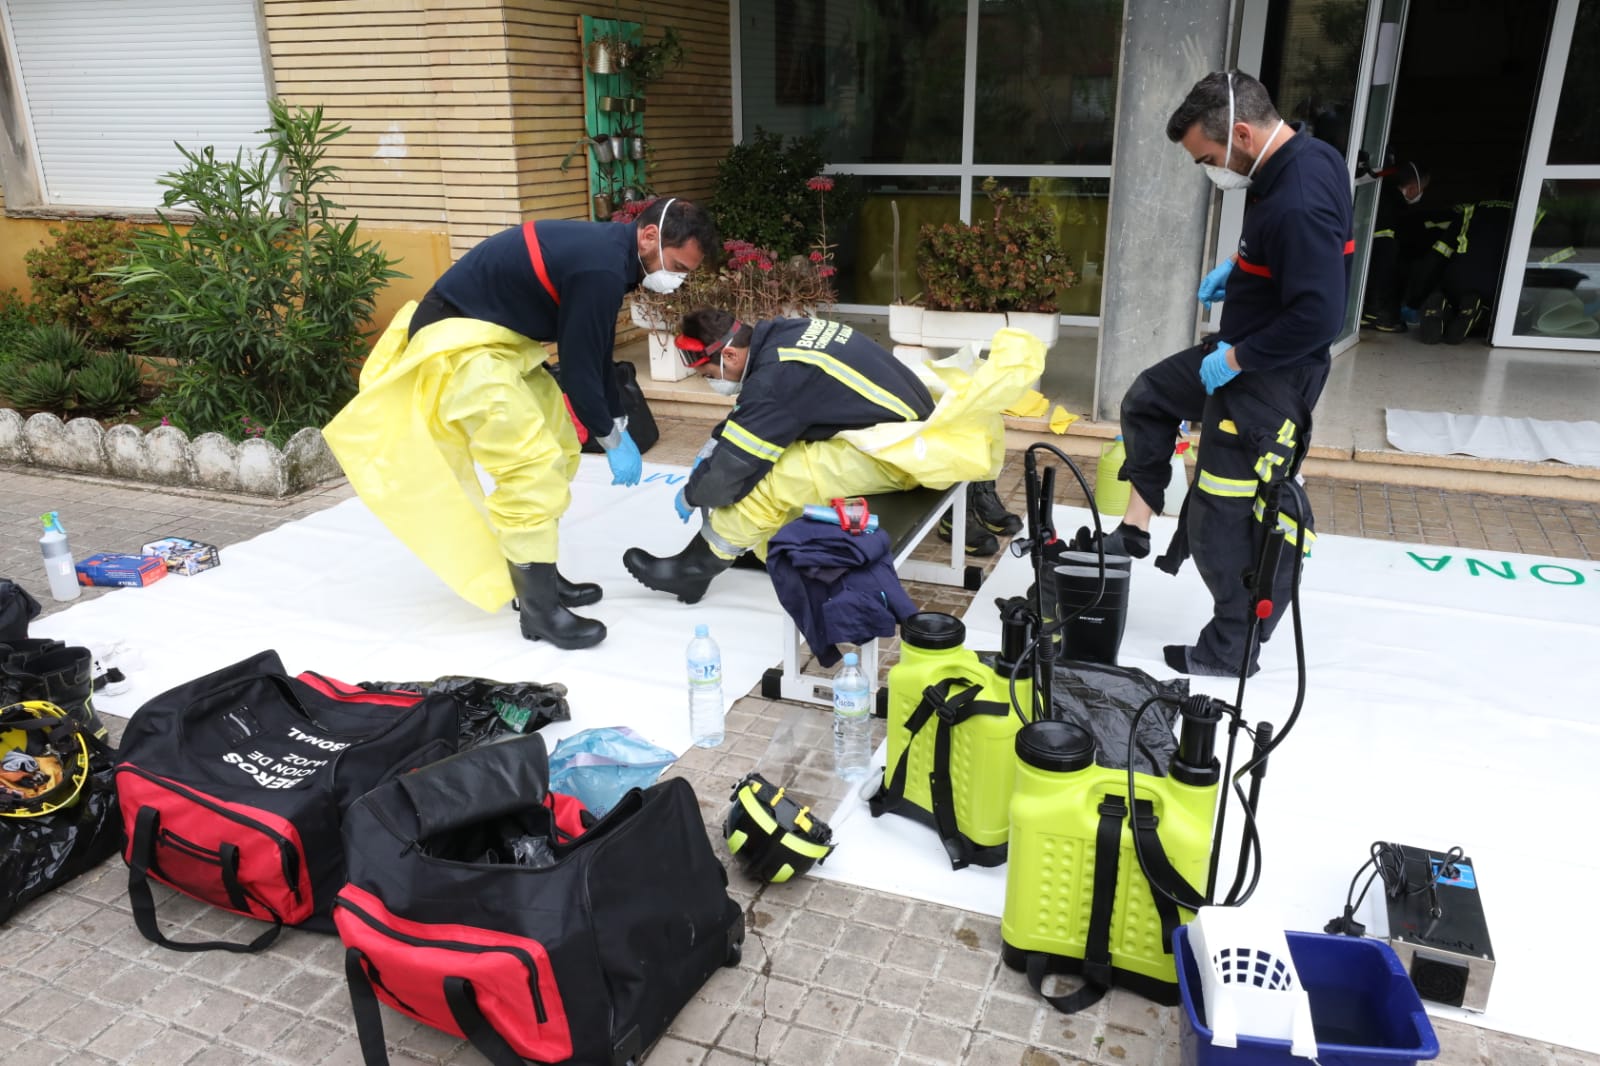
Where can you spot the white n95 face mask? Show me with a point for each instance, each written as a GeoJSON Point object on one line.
{"type": "Point", "coordinates": [724, 388]}
{"type": "Point", "coordinates": [1224, 178]}
{"type": "Point", "coordinates": [663, 281]}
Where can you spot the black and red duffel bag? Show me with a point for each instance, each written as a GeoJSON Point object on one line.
{"type": "Point", "coordinates": [472, 911]}
{"type": "Point", "coordinates": [233, 788]}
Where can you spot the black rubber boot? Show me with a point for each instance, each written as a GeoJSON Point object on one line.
{"type": "Point", "coordinates": [63, 676]}
{"type": "Point", "coordinates": [1095, 635]}
{"type": "Point", "coordinates": [980, 542]}
{"type": "Point", "coordinates": [577, 593]}
{"type": "Point", "coordinates": [543, 616]}
{"type": "Point", "coordinates": [15, 654]}
{"type": "Point", "coordinates": [983, 503]}
{"type": "Point", "coordinates": [686, 575]}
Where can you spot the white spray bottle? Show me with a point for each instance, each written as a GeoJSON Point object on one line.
{"type": "Point", "coordinates": [58, 565]}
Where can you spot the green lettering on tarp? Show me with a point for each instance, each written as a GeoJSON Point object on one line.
{"type": "Point", "coordinates": [1538, 570]}
{"type": "Point", "coordinates": [1435, 565]}
{"type": "Point", "coordinates": [1475, 566]}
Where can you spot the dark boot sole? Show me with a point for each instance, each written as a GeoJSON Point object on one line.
{"type": "Point", "coordinates": [564, 643]}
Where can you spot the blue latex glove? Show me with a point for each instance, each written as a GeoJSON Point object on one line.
{"type": "Point", "coordinates": [627, 465]}
{"type": "Point", "coordinates": [681, 505]}
{"type": "Point", "coordinates": [1214, 369]}
{"type": "Point", "coordinates": [1213, 284]}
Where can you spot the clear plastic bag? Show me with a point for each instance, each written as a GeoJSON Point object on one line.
{"type": "Point", "coordinates": [599, 766]}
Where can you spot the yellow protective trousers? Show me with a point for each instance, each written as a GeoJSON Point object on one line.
{"type": "Point", "coordinates": [461, 392]}
{"type": "Point", "coordinates": [962, 440]}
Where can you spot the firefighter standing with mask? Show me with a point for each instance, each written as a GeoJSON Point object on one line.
{"type": "Point", "coordinates": [1254, 385]}
{"type": "Point", "coordinates": [459, 379]}
{"type": "Point", "coordinates": [824, 412]}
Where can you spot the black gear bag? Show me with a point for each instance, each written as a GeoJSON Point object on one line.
{"type": "Point", "coordinates": [576, 950]}
{"type": "Point", "coordinates": [233, 787]}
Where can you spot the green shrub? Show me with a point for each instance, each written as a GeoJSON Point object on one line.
{"type": "Point", "coordinates": [69, 283]}
{"type": "Point", "coordinates": [109, 384]}
{"type": "Point", "coordinates": [55, 343]}
{"type": "Point", "coordinates": [14, 322]}
{"type": "Point", "coordinates": [761, 195]}
{"type": "Point", "coordinates": [263, 302]}
{"type": "Point", "coordinates": [1011, 261]}
{"type": "Point", "coordinates": [39, 386]}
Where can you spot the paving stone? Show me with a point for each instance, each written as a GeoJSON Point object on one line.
{"type": "Point", "coordinates": [671, 1051]}
{"type": "Point", "coordinates": [845, 974]}
{"type": "Point", "coordinates": [880, 1025]}
{"type": "Point", "coordinates": [773, 997]}
{"type": "Point", "coordinates": [897, 988]}
{"type": "Point", "coordinates": [805, 1047]}
{"type": "Point", "coordinates": [169, 1046]}
{"type": "Point", "coordinates": [119, 1042]}
{"type": "Point", "coordinates": [934, 1041]}
{"type": "Point", "coordinates": [827, 1010]}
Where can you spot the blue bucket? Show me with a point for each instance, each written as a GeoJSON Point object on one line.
{"type": "Point", "coordinates": [1363, 1007]}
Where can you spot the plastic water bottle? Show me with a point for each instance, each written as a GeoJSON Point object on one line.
{"type": "Point", "coordinates": [705, 689]}
{"type": "Point", "coordinates": [852, 721]}
{"type": "Point", "coordinates": [1178, 486]}
{"type": "Point", "coordinates": [58, 566]}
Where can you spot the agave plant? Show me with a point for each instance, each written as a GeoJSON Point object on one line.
{"type": "Point", "coordinates": [109, 383]}
{"type": "Point", "coordinates": [40, 387]}
{"type": "Point", "coordinates": [61, 345]}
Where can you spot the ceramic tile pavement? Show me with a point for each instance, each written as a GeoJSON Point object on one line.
{"type": "Point", "coordinates": [831, 975]}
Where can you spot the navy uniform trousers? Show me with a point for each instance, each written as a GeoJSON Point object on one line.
{"type": "Point", "coordinates": [1255, 431]}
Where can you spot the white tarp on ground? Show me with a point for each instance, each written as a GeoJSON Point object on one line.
{"type": "Point", "coordinates": [1494, 437]}
{"type": "Point", "coordinates": [1451, 700]}
{"type": "Point", "coordinates": [337, 593]}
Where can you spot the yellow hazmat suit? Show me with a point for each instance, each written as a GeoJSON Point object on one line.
{"type": "Point", "coordinates": [460, 392]}
{"type": "Point", "coordinates": [962, 440]}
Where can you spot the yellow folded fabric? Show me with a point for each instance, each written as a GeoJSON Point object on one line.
{"type": "Point", "coordinates": [1031, 404]}
{"type": "Point", "coordinates": [1060, 419]}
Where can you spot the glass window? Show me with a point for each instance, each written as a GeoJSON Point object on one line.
{"type": "Point", "coordinates": [882, 77]}
{"type": "Point", "coordinates": [868, 276]}
{"type": "Point", "coordinates": [1561, 280]}
{"type": "Point", "coordinates": [1311, 72]}
{"type": "Point", "coordinates": [1081, 210]}
{"type": "Point", "coordinates": [1047, 81]}
{"type": "Point", "coordinates": [1576, 136]}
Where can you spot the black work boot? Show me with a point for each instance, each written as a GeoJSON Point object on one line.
{"type": "Point", "coordinates": [63, 676]}
{"type": "Point", "coordinates": [543, 615]}
{"type": "Point", "coordinates": [686, 575]}
{"type": "Point", "coordinates": [980, 542]}
{"type": "Point", "coordinates": [1436, 312]}
{"type": "Point", "coordinates": [577, 593]}
{"type": "Point", "coordinates": [983, 503]}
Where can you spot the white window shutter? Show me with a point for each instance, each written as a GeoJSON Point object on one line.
{"type": "Point", "coordinates": [111, 84]}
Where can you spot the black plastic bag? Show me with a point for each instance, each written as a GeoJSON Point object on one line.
{"type": "Point", "coordinates": [37, 854]}
{"type": "Point", "coordinates": [1104, 699]}
{"type": "Point", "coordinates": [491, 709]}
{"type": "Point", "coordinates": [17, 609]}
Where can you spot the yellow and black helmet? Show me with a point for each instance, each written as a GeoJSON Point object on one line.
{"type": "Point", "coordinates": [772, 835]}
{"type": "Point", "coordinates": [44, 759]}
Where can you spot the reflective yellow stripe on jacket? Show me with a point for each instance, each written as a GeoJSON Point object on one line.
{"type": "Point", "coordinates": [742, 438]}
{"type": "Point", "coordinates": [850, 378]}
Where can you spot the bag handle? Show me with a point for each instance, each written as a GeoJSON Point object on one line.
{"type": "Point", "coordinates": [479, 784]}
{"type": "Point", "coordinates": [458, 995]}
{"type": "Point", "coordinates": [141, 857]}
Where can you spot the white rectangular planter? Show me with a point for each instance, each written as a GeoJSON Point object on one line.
{"type": "Point", "coordinates": [664, 362]}
{"type": "Point", "coordinates": [953, 329]}
{"type": "Point", "coordinates": [1042, 324]}
{"type": "Point", "coordinates": [905, 324]}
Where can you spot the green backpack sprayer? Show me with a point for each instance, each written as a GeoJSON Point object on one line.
{"type": "Point", "coordinates": [1104, 861]}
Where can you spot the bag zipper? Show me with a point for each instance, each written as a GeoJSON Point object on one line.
{"type": "Point", "coordinates": [288, 857]}
{"type": "Point", "coordinates": [456, 945]}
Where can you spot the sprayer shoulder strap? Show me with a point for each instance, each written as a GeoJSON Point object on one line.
{"type": "Point", "coordinates": [950, 711]}
{"type": "Point", "coordinates": [1164, 877]}
{"type": "Point", "coordinates": [1097, 946]}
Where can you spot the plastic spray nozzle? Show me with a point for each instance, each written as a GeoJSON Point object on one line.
{"type": "Point", "coordinates": [1195, 763]}
{"type": "Point", "coordinates": [52, 522]}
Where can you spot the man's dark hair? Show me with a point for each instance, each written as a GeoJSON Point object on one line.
{"type": "Point", "coordinates": [685, 221]}
{"type": "Point", "coordinates": [1207, 104]}
{"type": "Point", "coordinates": [708, 325]}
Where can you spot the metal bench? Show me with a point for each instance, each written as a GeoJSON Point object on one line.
{"type": "Point", "coordinates": [907, 517]}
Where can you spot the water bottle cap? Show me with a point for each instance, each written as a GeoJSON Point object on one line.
{"type": "Point", "coordinates": [1119, 436]}
{"type": "Point", "coordinates": [702, 631]}
{"type": "Point", "coordinates": [850, 658]}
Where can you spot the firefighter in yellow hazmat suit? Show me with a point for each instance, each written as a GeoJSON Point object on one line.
{"type": "Point", "coordinates": [823, 412]}
{"type": "Point", "coordinates": [459, 379]}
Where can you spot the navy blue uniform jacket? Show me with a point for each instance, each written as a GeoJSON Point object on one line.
{"type": "Point", "coordinates": [840, 588]}
{"type": "Point", "coordinates": [806, 379]}
{"type": "Point", "coordinates": [592, 265]}
{"type": "Point", "coordinates": [1286, 295]}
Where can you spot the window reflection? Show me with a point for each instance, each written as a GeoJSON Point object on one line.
{"type": "Point", "coordinates": [1561, 284]}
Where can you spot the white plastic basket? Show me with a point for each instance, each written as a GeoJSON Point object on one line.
{"type": "Point", "coordinates": [1248, 982]}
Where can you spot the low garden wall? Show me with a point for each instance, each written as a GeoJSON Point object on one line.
{"type": "Point", "coordinates": [166, 456]}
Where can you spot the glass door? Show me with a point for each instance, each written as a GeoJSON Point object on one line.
{"type": "Point", "coordinates": [1368, 143]}
{"type": "Point", "coordinates": [1550, 293]}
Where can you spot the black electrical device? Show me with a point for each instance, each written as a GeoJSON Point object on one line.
{"type": "Point", "coordinates": [1437, 927]}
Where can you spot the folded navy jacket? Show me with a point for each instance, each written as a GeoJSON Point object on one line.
{"type": "Point", "coordinates": [839, 587]}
